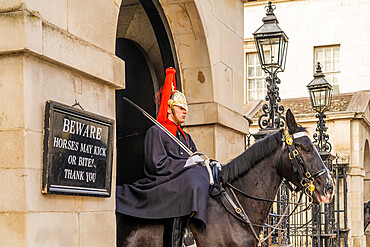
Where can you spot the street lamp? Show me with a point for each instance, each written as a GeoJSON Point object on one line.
{"type": "Point", "coordinates": [272, 44]}
{"type": "Point", "coordinates": [320, 92]}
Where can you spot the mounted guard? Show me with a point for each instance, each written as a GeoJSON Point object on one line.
{"type": "Point", "coordinates": [175, 188]}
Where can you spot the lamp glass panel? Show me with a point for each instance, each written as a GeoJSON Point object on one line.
{"type": "Point", "coordinates": [313, 100]}
{"type": "Point", "coordinates": [282, 54]}
{"type": "Point", "coordinates": [260, 53]}
{"type": "Point", "coordinates": [270, 50]}
{"type": "Point", "coordinates": [319, 98]}
{"type": "Point", "coordinates": [328, 95]}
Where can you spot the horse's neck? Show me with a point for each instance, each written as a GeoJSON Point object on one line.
{"type": "Point", "coordinates": [261, 181]}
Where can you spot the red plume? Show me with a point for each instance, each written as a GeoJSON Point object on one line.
{"type": "Point", "coordinates": [165, 93]}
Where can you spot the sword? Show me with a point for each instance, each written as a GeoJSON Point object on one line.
{"type": "Point", "coordinates": [182, 145]}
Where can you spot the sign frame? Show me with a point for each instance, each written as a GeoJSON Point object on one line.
{"type": "Point", "coordinates": [49, 185]}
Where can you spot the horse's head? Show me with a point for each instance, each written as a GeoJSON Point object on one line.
{"type": "Point", "coordinates": [302, 165]}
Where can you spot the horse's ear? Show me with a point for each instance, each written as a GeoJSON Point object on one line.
{"type": "Point", "coordinates": [290, 121]}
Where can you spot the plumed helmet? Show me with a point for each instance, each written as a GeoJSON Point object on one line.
{"type": "Point", "coordinates": [179, 99]}
{"type": "Point", "coordinates": [168, 96]}
{"type": "Point", "coordinates": [164, 94]}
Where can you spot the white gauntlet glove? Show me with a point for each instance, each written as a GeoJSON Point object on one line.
{"type": "Point", "coordinates": [193, 160]}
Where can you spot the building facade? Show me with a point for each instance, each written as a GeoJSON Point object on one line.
{"type": "Point", "coordinates": [92, 53]}
{"type": "Point", "coordinates": [333, 33]}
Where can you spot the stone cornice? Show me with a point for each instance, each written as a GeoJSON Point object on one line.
{"type": "Point", "coordinates": [264, 2]}
{"type": "Point", "coordinates": [29, 34]}
{"type": "Point", "coordinates": [311, 118]}
{"type": "Point", "coordinates": [356, 171]}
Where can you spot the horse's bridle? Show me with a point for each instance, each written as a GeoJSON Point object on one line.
{"type": "Point", "coordinates": [305, 178]}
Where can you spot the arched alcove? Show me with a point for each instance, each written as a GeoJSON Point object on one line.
{"type": "Point", "coordinates": [165, 34]}
{"type": "Point", "coordinates": [144, 41]}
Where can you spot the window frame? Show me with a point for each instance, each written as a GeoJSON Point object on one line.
{"type": "Point", "coordinates": [257, 68]}
{"type": "Point", "coordinates": [330, 74]}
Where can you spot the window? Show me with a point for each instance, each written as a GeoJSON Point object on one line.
{"type": "Point", "coordinates": [256, 78]}
{"type": "Point", "coordinates": [329, 56]}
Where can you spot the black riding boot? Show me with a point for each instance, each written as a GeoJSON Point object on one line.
{"type": "Point", "coordinates": [174, 229]}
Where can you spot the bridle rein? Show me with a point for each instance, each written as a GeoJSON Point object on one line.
{"type": "Point", "coordinates": [306, 185]}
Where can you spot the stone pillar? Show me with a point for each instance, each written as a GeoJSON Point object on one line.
{"type": "Point", "coordinates": [356, 176]}
{"type": "Point", "coordinates": [209, 42]}
{"type": "Point", "coordinates": [217, 131]}
{"type": "Point", "coordinates": [48, 52]}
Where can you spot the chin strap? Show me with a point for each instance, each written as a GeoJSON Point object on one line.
{"type": "Point", "coordinates": [176, 120]}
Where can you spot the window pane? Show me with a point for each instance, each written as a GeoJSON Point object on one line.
{"type": "Point", "coordinates": [327, 53]}
{"type": "Point", "coordinates": [327, 65]}
{"type": "Point", "coordinates": [251, 84]}
{"type": "Point", "coordinates": [319, 54]}
{"type": "Point", "coordinates": [260, 94]}
{"type": "Point", "coordinates": [252, 95]}
{"type": "Point", "coordinates": [252, 58]}
{"type": "Point", "coordinates": [336, 52]}
{"type": "Point", "coordinates": [336, 65]}
{"type": "Point", "coordinates": [251, 72]}
{"type": "Point", "coordinates": [258, 71]}
{"type": "Point", "coordinates": [259, 84]}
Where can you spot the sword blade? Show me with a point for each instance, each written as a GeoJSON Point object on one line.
{"type": "Point", "coordinates": [182, 145]}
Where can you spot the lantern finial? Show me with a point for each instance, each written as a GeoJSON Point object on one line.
{"type": "Point", "coordinates": [318, 68]}
{"type": "Point", "coordinates": [270, 8]}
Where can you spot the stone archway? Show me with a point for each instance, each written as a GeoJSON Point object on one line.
{"type": "Point", "coordinates": [187, 26]}
{"type": "Point", "coordinates": [169, 33]}
{"type": "Point", "coordinates": [144, 41]}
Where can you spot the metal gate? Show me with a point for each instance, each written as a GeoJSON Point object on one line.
{"type": "Point", "coordinates": [323, 225]}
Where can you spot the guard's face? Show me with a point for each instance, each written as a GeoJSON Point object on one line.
{"type": "Point", "coordinates": [180, 114]}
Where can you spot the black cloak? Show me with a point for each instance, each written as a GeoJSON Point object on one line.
{"type": "Point", "coordinates": [169, 189]}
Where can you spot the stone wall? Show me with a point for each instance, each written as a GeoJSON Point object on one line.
{"type": "Point", "coordinates": [64, 51]}
{"type": "Point", "coordinates": [52, 52]}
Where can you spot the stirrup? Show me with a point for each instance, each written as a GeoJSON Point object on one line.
{"type": "Point", "coordinates": [189, 240]}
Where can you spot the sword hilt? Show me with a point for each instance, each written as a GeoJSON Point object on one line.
{"type": "Point", "coordinates": [208, 167]}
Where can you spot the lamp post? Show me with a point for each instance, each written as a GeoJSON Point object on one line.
{"type": "Point", "coordinates": [271, 43]}
{"type": "Point", "coordinates": [320, 92]}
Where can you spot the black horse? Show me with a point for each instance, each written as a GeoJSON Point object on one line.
{"type": "Point", "coordinates": [259, 172]}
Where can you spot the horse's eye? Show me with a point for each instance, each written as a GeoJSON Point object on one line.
{"type": "Point", "coordinates": [306, 148]}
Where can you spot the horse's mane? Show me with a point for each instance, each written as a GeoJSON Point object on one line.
{"type": "Point", "coordinates": [250, 157]}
